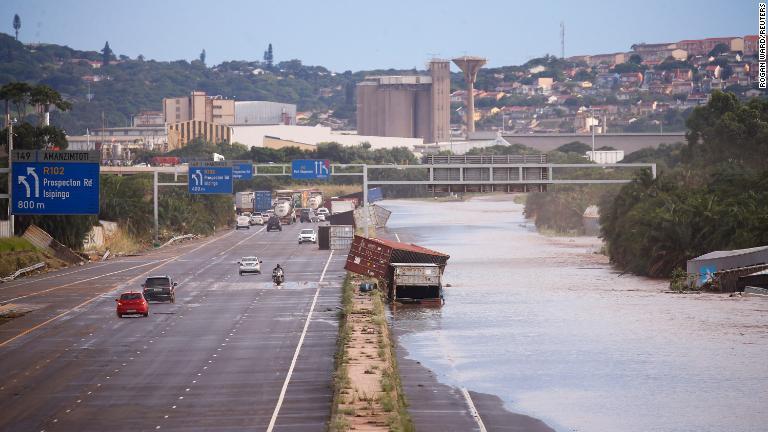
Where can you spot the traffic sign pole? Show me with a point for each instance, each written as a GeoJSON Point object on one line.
{"type": "Point", "coordinates": [11, 228]}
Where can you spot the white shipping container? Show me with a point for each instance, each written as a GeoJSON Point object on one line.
{"type": "Point", "coordinates": [341, 231]}
{"type": "Point", "coordinates": [338, 243]}
{"type": "Point", "coordinates": [416, 274]}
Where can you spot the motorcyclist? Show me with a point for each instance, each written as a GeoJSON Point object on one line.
{"type": "Point", "coordinates": [277, 273]}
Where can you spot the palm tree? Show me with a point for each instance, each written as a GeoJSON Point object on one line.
{"type": "Point", "coordinates": [44, 96]}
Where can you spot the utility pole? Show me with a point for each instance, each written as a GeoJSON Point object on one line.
{"type": "Point", "coordinates": [592, 123]}
{"type": "Point", "coordinates": [11, 228]}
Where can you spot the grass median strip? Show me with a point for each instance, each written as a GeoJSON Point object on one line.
{"type": "Point", "coordinates": [367, 390]}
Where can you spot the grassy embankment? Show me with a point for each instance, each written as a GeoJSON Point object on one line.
{"type": "Point", "coordinates": [18, 253]}
{"type": "Point", "coordinates": [367, 388]}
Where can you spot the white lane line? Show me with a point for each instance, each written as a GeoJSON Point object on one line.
{"type": "Point", "coordinates": [397, 237]}
{"type": "Point", "coordinates": [80, 281]}
{"type": "Point", "coordinates": [98, 296]}
{"type": "Point", "coordinates": [240, 242]}
{"type": "Point", "coordinates": [298, 349]}
{"type": "Point", "coordinates": [473, 410]}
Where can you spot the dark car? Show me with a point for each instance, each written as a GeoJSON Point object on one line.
{"type": "Point", "coordinates": [273, 224]}
{"type": "Point", "coordinates": [306, 216]}
{"type": "Point", "coordinates": [160, 288]}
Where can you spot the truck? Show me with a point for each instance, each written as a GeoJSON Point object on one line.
{"type": "Point", "coordinates": [284, 206]}
{"type": "Point", "coordinates": [340, 206]}
{"type": "Point", "coordinates": [284, 210]}
{"type": "Point", "coordinates": [315, 200]}
{"type": "Point", "coordinates": [244, 201]}
{"type": "Point", "coordinates": [263, 201]}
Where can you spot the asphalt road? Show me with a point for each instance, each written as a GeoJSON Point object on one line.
{"type": "Point", "coordinates": [233, 353]}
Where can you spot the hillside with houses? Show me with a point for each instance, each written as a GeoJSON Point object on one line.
{"type": "Point", "coordinates": [651, 88]}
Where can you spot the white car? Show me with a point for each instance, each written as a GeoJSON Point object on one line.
{"type": "Point", "coordinates": [322, 211]}
{"type": "Point", "coordinates": [307, 235]}
{"type": "Point", "coordinates": [257, 219]}
{"type": "Point", "coordinates": [320, 217]}
{"type": "Point", "coordinates": [249, 264]}
{"type": "Point", "coordinates": [243, 222]}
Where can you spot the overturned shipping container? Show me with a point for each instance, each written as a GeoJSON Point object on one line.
{"type": "Point", "coordinates": [416, 283]}
{"type": "Point", "coordinates": [380, 258]}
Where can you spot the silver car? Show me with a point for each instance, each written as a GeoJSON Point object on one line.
{"type": "Point", "coordinates": [249, 264]}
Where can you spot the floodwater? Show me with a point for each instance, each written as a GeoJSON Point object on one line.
{"type": "Point", "coordinates": [557, 334]}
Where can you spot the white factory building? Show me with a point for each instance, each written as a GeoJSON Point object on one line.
{"type": "Point", "coordinates": [254, 136]}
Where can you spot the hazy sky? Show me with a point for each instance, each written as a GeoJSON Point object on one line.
{"type": "Point", "coordinates": [355, 35]}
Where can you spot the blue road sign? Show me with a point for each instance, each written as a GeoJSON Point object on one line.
{"type": "Point", "coordinates": [55, 182]}
{"type": "Point", "coordinates": [242, 171]}
{"type": "Point", "coordinates": [210, 180]}
{"type": "Point", "coordinates": [311, 169]}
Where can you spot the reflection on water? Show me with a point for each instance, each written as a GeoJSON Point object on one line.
{"type": "Point", "coordinates": [559, 335]}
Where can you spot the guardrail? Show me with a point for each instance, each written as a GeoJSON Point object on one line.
{"type": "Point", "coordinates": [22, 271]}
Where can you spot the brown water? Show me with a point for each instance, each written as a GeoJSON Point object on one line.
{"type": "Point", "coordinates": [558, 334]}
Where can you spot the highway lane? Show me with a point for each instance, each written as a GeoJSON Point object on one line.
{"type": "Point", "coordinates": [217, 359]}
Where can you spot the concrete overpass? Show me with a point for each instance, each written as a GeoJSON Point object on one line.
{"type": "Point", "coordinates": [629, 142]}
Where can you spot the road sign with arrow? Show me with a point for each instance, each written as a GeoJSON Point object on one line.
{"type": "Point", "coordinates": [47, 182]}
{"type": "Point", "coordinates": [210, 180]}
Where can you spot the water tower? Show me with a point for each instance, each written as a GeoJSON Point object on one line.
{"type": "Point", "coordinates": [470, 66]}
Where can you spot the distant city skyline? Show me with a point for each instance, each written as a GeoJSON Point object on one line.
{"type": "Point", "coordinates": [348, 35]}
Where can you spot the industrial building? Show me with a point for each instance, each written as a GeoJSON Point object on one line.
{"type": "Point", "coordinates": [406, 106]}
{"type": "Point", "coordinates": [200, 107]}
{"type": "Point", "coordinates": [732, 264]}
{"type": "Point", "coordinates": [264, 113]}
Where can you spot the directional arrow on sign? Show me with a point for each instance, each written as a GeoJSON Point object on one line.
{"type": "Point", "coordinates": [31, 171]}
{"type": "Point", "coordinates": [199, 181]}
{"type": "Point", "coordinates": [23, 180]}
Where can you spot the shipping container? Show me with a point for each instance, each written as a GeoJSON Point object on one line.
{"type": "Point", "coordinates": [375, 194]}
{"type": "Point", "coordinates": [263, 201]}
{"type": "Point", "coordinates": [342, 231]}
{"type": "Point", "coordinates": [415, 283]}
{"type": "Point", "coordinates": [338, 243]}
{"type": "Point", "coordinates": [340, 206]}
{"type": "Point", "coordinates": [372, 257]}
{"type": "Point", "coordinates": [324, 237]}
{"type": "Point", "coordinates": [244, 201]}
{"type": "Point", "coordinates": [377, 216]}
{"type": "Point", "coordinates": [344, 218]}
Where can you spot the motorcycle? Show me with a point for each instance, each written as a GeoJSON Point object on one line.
{"type": "Point", "coordinates": [278, 278]}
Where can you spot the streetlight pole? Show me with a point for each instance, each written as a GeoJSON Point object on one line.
{"type": "Point", "coordinates": [592, 123]}
{"type": "Point", "coordinates": [11, 228]}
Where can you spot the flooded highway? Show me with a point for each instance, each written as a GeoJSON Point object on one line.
{"type": "Point", "coordinates": [549, 327]}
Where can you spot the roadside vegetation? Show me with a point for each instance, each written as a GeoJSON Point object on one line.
{"type": "Point", "coordinates": [715, 199]}
{"type": "Point", "coordinates": [367, 388]}
{"type": "Point", "coordinates": [18, 253]}
{"type": "Point", "coordinates": [710, 194]}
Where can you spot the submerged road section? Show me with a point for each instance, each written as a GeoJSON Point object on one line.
{"type": "Point", "coordinates": [232, 353]}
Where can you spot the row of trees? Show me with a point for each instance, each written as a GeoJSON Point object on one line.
{"type": "Point", "coordinates": [715, 198]}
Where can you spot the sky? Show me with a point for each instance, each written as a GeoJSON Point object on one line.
{"type": "Point", "coordinates": [363, 35]}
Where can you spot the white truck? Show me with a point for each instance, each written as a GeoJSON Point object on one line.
{"type": "Point", "coordinates": [244, 202]}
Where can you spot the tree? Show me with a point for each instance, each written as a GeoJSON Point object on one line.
{"type": "Point", "coordinates": [269, 57]}
{"type": "Point", "coordinates": [16, 25]}
{"type": "Point", "coordinates": [574, 147]}
{"type": "Point", "coordinates": [106, 54]}
{"type": "Point", "coordinates": [718, 49]}
{"type": "Point", "coordinates": [635, 59]}
{"type": "Point", "coordinates": [202, 56]}
{"type": "Point", "coordinates": [16, 94]}
{"type": "Point", "coordinates": [44, 96]}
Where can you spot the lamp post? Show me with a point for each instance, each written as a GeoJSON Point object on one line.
{"type": "Point", "coordinates": [592, 125]}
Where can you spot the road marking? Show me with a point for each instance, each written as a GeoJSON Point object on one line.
{"type": "Point", "coordinates": [240, 242]}
{"type": "Point", "coordinates": [473, 410]}
{"type": "Point", "coordinates": [298, 349]}
{"type": "Point", "coordinates": [167, 261]}
{"type": "Point", "coordinates": [397, 237]}
{"type": "Point", "coordinates": [77, 282]}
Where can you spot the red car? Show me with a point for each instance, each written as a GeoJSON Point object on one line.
{"type": "Point", "coordinates": [131, 303]}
